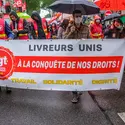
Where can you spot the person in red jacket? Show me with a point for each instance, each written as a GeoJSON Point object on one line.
{"type": "Point", "coordinates": [19, 26]}
{"type": "Point", "coordinates": [96, 31]}
{"type": "Point", "coordinates": [5, 34]}
{"type": "Point", "coordinates": [5, 31]}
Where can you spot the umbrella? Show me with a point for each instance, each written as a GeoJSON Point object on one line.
{"type": "Point", "coordinates": [112, 16]}
{"type": "Point", "coordinates": [115, 5]}
{"type": "Point", "coordinates": [68, 6]}
{"type": "Point", "coordinates": [23, 15]}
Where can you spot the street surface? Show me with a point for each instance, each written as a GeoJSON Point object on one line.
{"type": "Point", "coordinates": [112, 103]}
{"type": "Point", "coordinates": [26, 107]}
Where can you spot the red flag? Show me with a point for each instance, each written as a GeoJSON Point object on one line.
{"type": "Point", "coordinates": [19, 3]}
{"type": "Point", "coordinates": [108, 12]}
{"type": "Point", "coordinates": [114, 5]}
{"type": "Point", "coordinates": [7, 3]}
{"type": "Point", "coordinates": [14, 5]}
{"type": "Point", "coordinates": [0, 3]}
{"type": "Point", "coordinates": [24, 6]}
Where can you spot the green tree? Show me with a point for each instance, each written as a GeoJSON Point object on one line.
{"type": "Point", "coordinates": [48, 16]}
{"type": "Point", "coordinates": [37, 4]}
{"type": "Point", "coordinates": [33, 5]}
{"type": "Point", "coordinates": [47, 2]}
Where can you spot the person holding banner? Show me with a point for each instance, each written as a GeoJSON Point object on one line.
{"type": "Point", "coordinates": [18, 26]}
{"type": "Point", "coordinates": [77, 30]}
{"type": "Point", "coordinates": [5, 31]}
{"type": "Point", "coordinates": [40, 26]}
{"type": "Point", "coordinates": [5, 34]}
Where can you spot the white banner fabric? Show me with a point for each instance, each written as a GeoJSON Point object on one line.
{"type": "Point", "coordinates": [63, 65]}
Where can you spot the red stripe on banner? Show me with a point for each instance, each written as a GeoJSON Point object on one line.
{"type": "Point", "coordinates": [68, 65]}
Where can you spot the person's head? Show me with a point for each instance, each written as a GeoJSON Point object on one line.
{"type": "Point", "coordinates": [19, 9]}
{"type": "Point", "coordinates": [77, 15]}
{"type": "Point", "coordinates": [65, 23]}
{"type": "Point", "coordinates": [1, 14]}
{"type": "Point", "coordinates": [97, 19]}
{"type": "Point", "coordinates": [54, 26]}
{"type": "Point", "coordinates": [118, 24]}
{"type": "Point", "coordinates": [35, 16]}
{"type": "Point", "coordinates": [13, 16]}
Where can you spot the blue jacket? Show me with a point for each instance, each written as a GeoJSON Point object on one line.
{"type": "Point", "coordinates": [8, 31]}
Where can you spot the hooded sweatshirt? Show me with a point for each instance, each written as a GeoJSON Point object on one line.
{"type": "Point", "coordinates": [15, 24]}
{"type": "Point", "coordinates": [41, 34]}
{"type": "Point", "coordinates": [96, 28]}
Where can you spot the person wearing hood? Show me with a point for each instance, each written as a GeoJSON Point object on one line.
{"type": "Point", "coordinates": [96, 30]}
{"type": "Point", "coordinates": [18, 26]}
{"type": "Point", "coordinates": [40, 26]}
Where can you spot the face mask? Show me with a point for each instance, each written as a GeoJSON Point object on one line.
{"type": "Point", "coordinates": [119, 27]}
{"type": "Point", "coordinates": [78, 20]}
{"type": "Point", "coordinates": [98, 21]}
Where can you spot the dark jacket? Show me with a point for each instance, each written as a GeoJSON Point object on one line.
{"type": "Point", "coordinates": [8, 31]}
{"type": "Point", "coordinates": [41, 34]}
{"type": "Point", "coordinates": [81, 33]}
{"type": "Point", "coordinates": [114, 33]}
{"type": "Point", "coordinates": [25, 30]}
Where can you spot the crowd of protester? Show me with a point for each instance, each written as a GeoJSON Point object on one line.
{"type": "Point", "coordinates": [37, 28]}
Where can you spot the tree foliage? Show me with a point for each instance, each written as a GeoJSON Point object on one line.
{"type": "Point", "coordinates": [33, 5]}
{"type": "Point", "coordinates": [47, 2]}
{"type": "Point", "coordinates": [37, 4]}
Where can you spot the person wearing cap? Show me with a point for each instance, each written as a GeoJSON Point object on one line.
{"type": "Point", "coordinates": [96, 30]}
{"type": "Point", "coordinates": [115, 31]}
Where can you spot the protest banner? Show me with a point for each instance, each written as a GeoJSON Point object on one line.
{"type": "Point", "coordinates": [64, 65]}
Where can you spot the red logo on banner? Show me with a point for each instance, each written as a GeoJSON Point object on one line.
{"type": "Point", "coordinates": [6, 63]}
